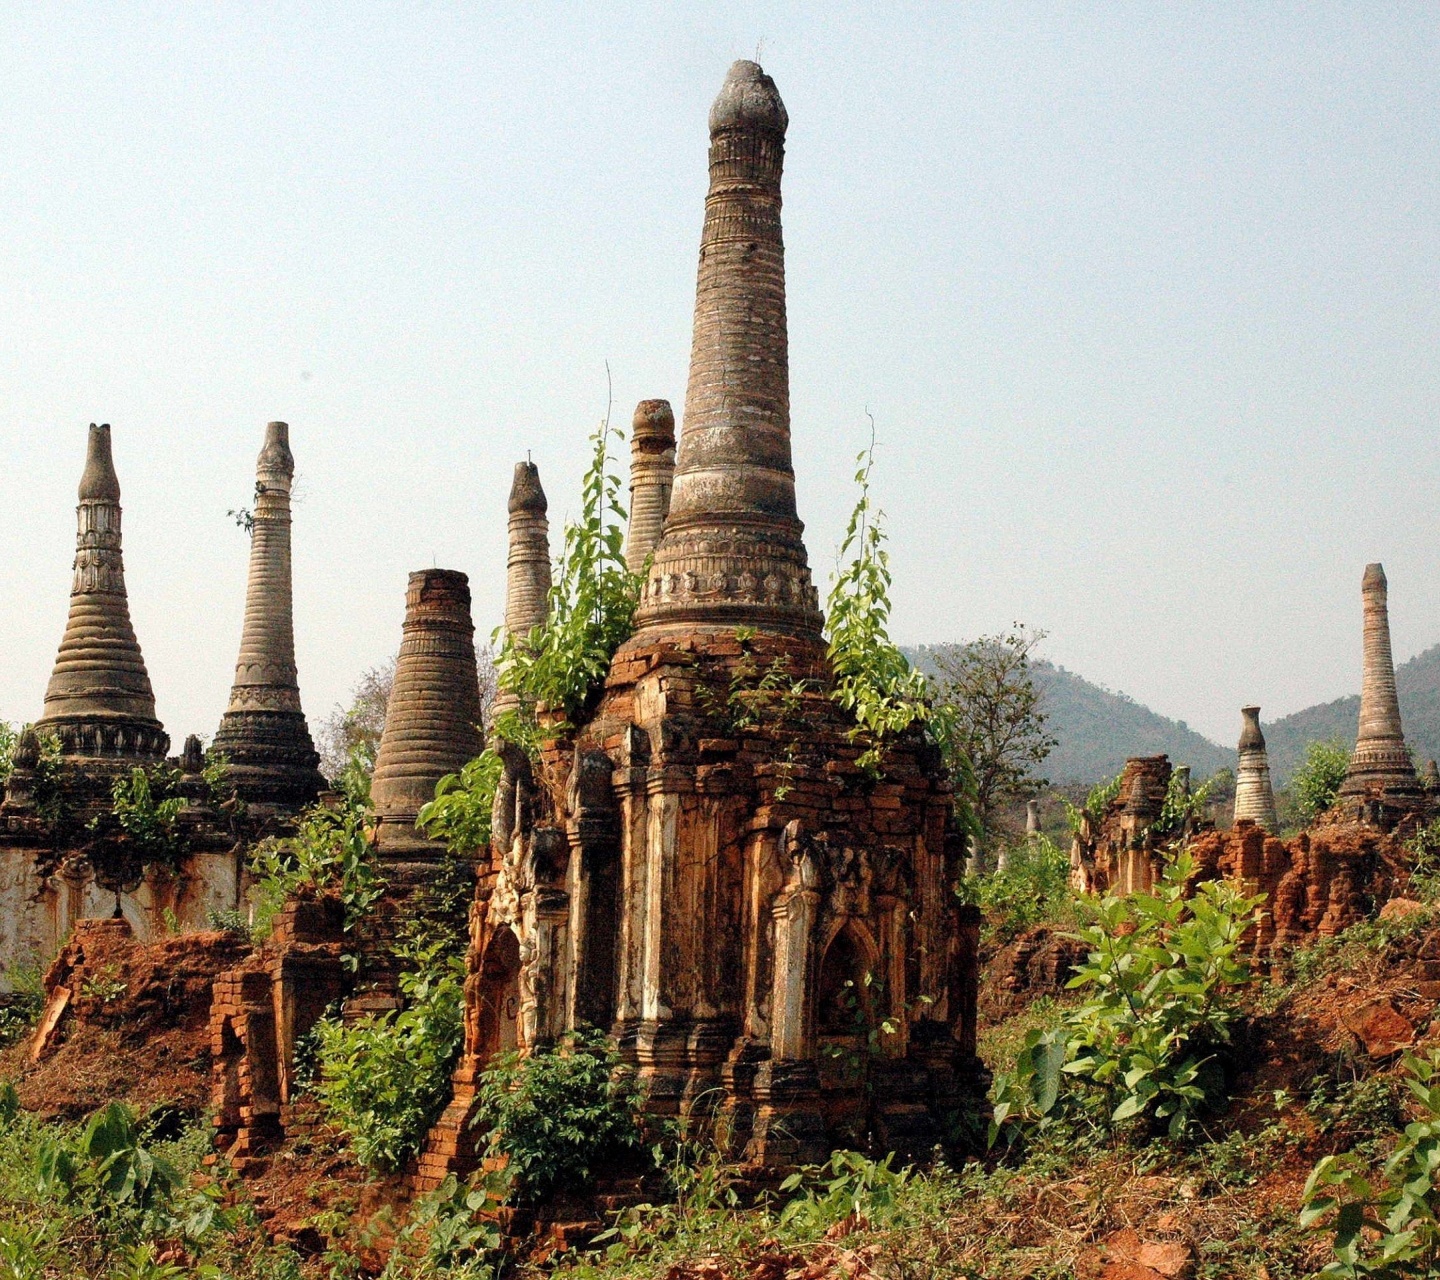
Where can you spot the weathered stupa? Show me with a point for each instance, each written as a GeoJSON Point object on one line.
{"type": "Point", "coordinates": [652, 476]}
{"type": "Point", "coordinates": [263, 734]}
{"type": "Point", "coordinates": [703, 866]}
{"type": "Point", "coordinates": [732, 552]}
{"type": "Point", "coordinates": [527, 563]}
{"type": "Point", "coordinates": [1380, 766]}
{"type": "Point", "coordinates": [1254, 796]}
{"type": "Point", "coordinates": [432, 723]}
{"type": "Point", "coordinates": [99, 702]}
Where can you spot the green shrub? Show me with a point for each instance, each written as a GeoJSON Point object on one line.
{"type": "Point", "coordinates": [1317, 781]}
{"type": "Point", "coordinates": [1385, 1227]}
{"type": "Point", "coordinates": [384, 1079]}
{"type": "Point", "coordinates": [850, 1186]}
{"type": "Point", "coordinates": [560, 1114]}
{"type": "Point", "coordinates": [460, 814]}
{"type": "Point", "coordinates": [1033, 887]}
{"type": "Point", "coordinates": [1160, 979]}
{"type": "Point", "coordinates": [20, 1010]}
{"type": "Point", "coordinates": [330, 849]}
{"type": "Point", "coordinates": [146, 807]}
{"type": "Point", "coordinates": [444, 1235]}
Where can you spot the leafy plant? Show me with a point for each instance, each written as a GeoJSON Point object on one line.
{"type": "Point", "coordinates": [1034, 886]}
{"type": "Point", "coordinates": [560, 1114]}
{"type": "Point", "coordinates": [1181, 806]}
{"type": "Point", "coordinates": [145, 808]}
{"type": "Point", "coordinates": [1102, 795]}
{"type": "Point", "coordinates": [446, 1237]}
{"type": "Point", "coordinates": [1317, 781]}
{"type": "Point", "coordinates": [330, 849]}
{"type": "Point", "coordinates": [1385, 1227]}
{"type": "Point", "coordinates": [20, 1009]}
{"type": "Point", "coordinates": [850, 1189]}
{"type": "Point", "coordinates": [9, 736]}
{"type": "Point", "coordinates": [592, 603]}
{"type": "Point", "coordinates": [1161, 978]}
{"type": "Point", "coordinates": [460, 814]}
{"type": "Point", "coordinates": [873, 679]}
{"type": "Point", "coordinates": [383, 1080]}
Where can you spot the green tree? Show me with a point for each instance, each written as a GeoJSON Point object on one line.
{"type": "Point", "coordinates": [1317, 781]}
{"type": "Point", "coordinates": [995, 716]}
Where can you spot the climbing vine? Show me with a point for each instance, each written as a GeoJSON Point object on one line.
{"type": "Point", "coordinates": [592, 601]}
{"type": "Point", "coordinates": [873, 680]}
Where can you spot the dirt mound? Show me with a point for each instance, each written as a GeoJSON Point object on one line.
{"type": "Point", "coordinates": [123, 1019]}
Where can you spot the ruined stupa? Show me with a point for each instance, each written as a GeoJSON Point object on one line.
{"type": "Point", "coordinates": [1380, 766]}
{"type": "Point", "coordinates": [263, 734]}
{"type": "Point", "coordinates": [99, 702]}
{"type": "Point", "coordinates": [1254, 796]}
{"type": "Point", "coordinates": [732, 552]}
{"type": "Point", "coordinates": [527, 563]}
{"type": "Point", "coordinates": [768, 930]}
{"type": "Point", "coordinates": [432, 722]}
{"type": "Point", "coordinates": [652, 476]}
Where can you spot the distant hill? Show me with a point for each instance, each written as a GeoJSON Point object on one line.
{"type": "Point", "coordinates": [1098, 730]}
{"type": "Point", "coordinates": [1418, 683]}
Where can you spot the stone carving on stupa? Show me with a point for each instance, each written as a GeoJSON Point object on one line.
{"type": "Point", "coordinates": [263, 734]}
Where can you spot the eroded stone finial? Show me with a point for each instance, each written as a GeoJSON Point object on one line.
{"type": "Point", "coordinates": [1254, 795]}
{"type": "Point", "coordinates": [1032, 817]}
{"type": "Point", "coordinates": [1380, 759]}
{"type": "Point", "coordinates": [652, 475]}
{"type": "Point", "coordinates": [1430, 780]}
{"type": "Point", "coordinates": [432, 723]}
{"type": "Point", "coordinates": [263, 734]}
{"type": "Point", "coordinates": [732, 552]}
{"type": "Point", "coordinates": [99, 702]}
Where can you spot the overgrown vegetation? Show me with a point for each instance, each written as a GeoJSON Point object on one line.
{"type": "Point", "coordinates": [873, 679]}
{"type": "Point", "coordinates": [461, 813]}
{"type": "Point", "coordinates": [592, 601]}
{"type": "Point", "coordinates": [330, 849]}
{"type": "Point", "coordinates": [560, 1115]}
{"type": "Point", "coordinates": [383, 1080]}
{"type": "Point", "coordinates": [1317, 781]}
{"type": "Point", "coordinates": [1160, 988]}
{"type": "Point", "coordinates": [1033, 886]}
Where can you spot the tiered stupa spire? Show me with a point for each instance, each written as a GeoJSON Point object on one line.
{"type": "Point", "coordinates": [99, 702]}
{"type": "Point", "coordinates": [652, 476]}
{"type": "Point", "coordinates": [732, 551]}
{"type": "Point", "coordinates": [527, 564]}
{"type": "Point", "coordinates": [263, 733]}
{"type": "Point", "coordinates": [432, 723]}
{"type": "Point", "coordinates": [1254, 795]}
{"type": "Point", "coordinates": [1380, 760]}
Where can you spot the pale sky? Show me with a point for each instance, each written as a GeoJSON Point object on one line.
{"type": "Point", "coordinates": [1143, 298]}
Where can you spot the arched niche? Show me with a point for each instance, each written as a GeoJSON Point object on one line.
{"type": "Point", "coordinates": [500, 995]}
{"type": "Point", "coordinates": [848, 1005]}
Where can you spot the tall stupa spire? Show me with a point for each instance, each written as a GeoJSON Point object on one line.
{"type": "Point", "coordinates": [1380, 759]}
{"type": "Point", "coordinates": [1254, 794]}
{"type": "Point", "coordinates": [732, 552]}
{"type": "Point", "coordinates": [527, 563]}
{"type": "Point", "coordinates": [263, 733]}
{"type": "Point", "coordinates": [99, 702]}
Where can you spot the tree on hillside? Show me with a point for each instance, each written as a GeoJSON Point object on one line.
{"type": "Point", "coordinates": [996, 720]}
